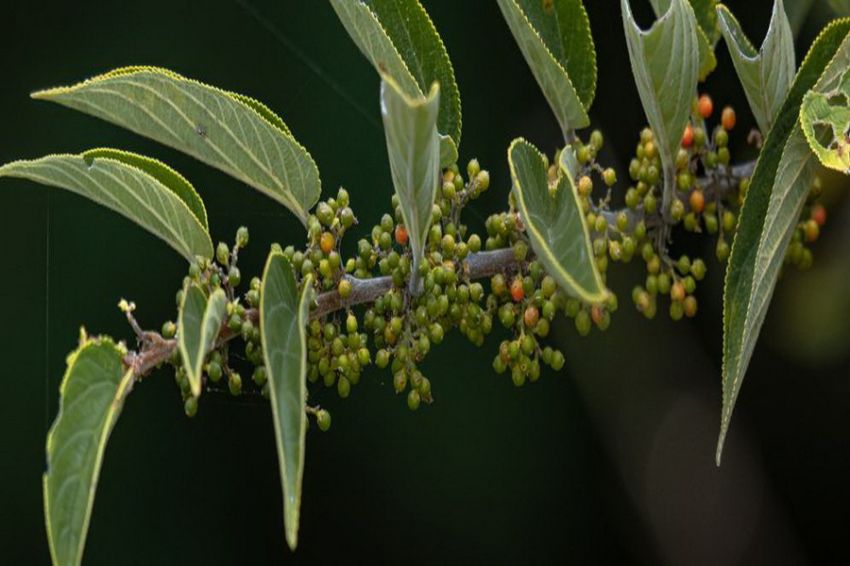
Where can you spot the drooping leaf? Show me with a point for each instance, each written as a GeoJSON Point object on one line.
{"type": "Point", "coordinates": [199, 322]}
{"type": "Point", "coordinates": [400, 40]}
{"type": "Point", "coordinates": [92, 394]}
{"type": "Point", "coordinates": [665, 65]}
{"type": "Point", "coordinates": [231, 132]}
{"type": "Point", "coordinates": [778, 189]}
{"type": "Point", "coordinates": [707, 31]}
{"type": "Point", "coordinates": [555, 223]}
{"type": "Point", "coordinates": [144, 190]}
{"type": "Point", "coordinates": [558, 47]}
{"type": "Point", "coordinates": [283, 318]}
{"type": "Point", "coordinates": [766, 75]}
{"type": "Point", "coordinates": [841, 7]}
{"type": "Point", "coordinates": [414, 152]}
{"type": "Point", "coordinates": [825, 117]}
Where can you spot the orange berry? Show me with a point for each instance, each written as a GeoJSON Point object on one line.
{"type": "Point", "coordinates": [327, 242]}
{"type": "Point", "coordinates": [596, 314]}
{"type": "Point", "coordinates": [705, 106]}
{"type": "Point", "coordinates": [728, 118]}
{"type": "Point", "coordinates": [531, 316]}
{"type": "Point", "coordinates": [819, 214]}
{"type": "Point", "coordinates": [688, 137]}
{"type": "Point", "coordinates": [401, 235]}
{"type": "Point", "coordinates": [517, 292]}
{"type": "Point", "coordinates": [697, 201]}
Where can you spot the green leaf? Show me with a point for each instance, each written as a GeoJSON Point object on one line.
{"type": "Point", "coordinates": [145, 191]}
{"type": "Point", "coordinates": [825, 117]}
{"type": "Point", "coordinates": [707, 31]}
{"type": "Point", "coordinates": [92, 394]}
{"type": "Point", "coordinates": [766, 75]}
{"type": "Point", "coordinates": [414, 152]}
{"type": "Point", "coordinates": [558, 47]}
{"type": "Point", "coordinates": [778, 189]}
{"type": "Point", "coordinates": [400, 40]}
{"type": "Point", "coordinates": [283, 318]}
{"type": "Point", "coordinates": [231, 132]}
{"type": "Point", "coordinates": [555, 222]}
{"type": "Point", "coordinates": [665, 65]}
{"type": "Point", "coordinates": [797, 12]}
{"type": "Point", "coordinates": [841, 7]}
{"type": "Point", "coordinates": [199, 322]}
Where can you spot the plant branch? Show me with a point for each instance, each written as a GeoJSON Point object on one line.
{"type": "Point", "coordinates": [154, 349]}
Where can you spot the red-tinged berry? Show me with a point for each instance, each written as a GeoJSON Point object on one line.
{"type": "Point", "coordinates": [401, 235]}
{"type": "Point", "coordinates": [531, 316]}
{"type": "Point", "coordinates": [517, 291]}
{"type": "Point", "coordinates": [728, 118]}
{"type": "Point", "coordinates": [688, 137]}
{"type": "Point", "coordinates": [705, 106]}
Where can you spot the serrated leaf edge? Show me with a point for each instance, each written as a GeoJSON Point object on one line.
{"type": "Point", "coordinates": [585, 295]}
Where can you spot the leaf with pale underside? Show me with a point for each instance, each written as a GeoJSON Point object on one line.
{"type": "Point", "coordinates": [141, 189]}
{"type": "Point", "coordinates": [400, 40]}
{"type": "Point", "coordinates": [92, 394]}
{"type": "Point", "coordinates": [231, 132]}
{"type": "Point", "coordinates": [283, 319]}
{"type": "Point", "coordinates": [555, 223]}
{"type": "Point", "coordinates": [825, 117]}
{"type": "Point", "coordinates": [766, 74]}
{"type": "Point", "coordinates": [778, 190]}
{"type": "Point", "coordinates": [707, 31]}
{"type": "Point", "coordinates": [665, 64]}
{"type": "Point", "coordinates": [413, 147]}
{"type": "Point", "coordinates": [558, 47]}
{"type": "Point", "coordinates": [198, 324]}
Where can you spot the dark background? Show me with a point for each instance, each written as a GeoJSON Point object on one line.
{"type": "Point", "coordinates": [609, 461]}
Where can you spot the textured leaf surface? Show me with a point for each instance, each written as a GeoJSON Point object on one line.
{"type": "Point", "coordinates": [553, 56]}
{"type": "Point", "coordinates": [825, 117]}
{"type": "Point", "coordinates": [283, 318]}
{"type": "Point", "coordinates": [413, 147]}
{"type": "Point", "coordinates": [199, 322]}
{"type": "Point", "coordinates": [92, 394]}
{"type": "Point", "coordinates": [707, 31]}
{"type": "Point", "coordinates": [131, 185]}
{"type": "Point", "coordinates": [767, 74]}
{"type": "Point", "coordinates": [555, 223]}
{"type": "Point", "coordinates": [778, 189]}
{"type": "Point", "coordinates": [665, 65]}
{"type": "Point", "coordinates": [400, 40]}
{"type": "Point", "coordinates": [231, 132]}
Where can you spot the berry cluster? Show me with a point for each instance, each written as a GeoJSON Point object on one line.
{"type": "Point", "coordinates": [414, 311]}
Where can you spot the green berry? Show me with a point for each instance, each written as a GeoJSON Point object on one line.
{"type": "Point", "coordinates": [190, 406]}
{"type": "Point", "coordinates": [413, 399]}
{"type": "Point", "coordinates": [259, 377]}
{"type": "Point", "coordinates": [169, 329]}
{"type": "Point", "coordinates": [234, 383]}
{"type": "Point", "coordinates": [609, 176]}
{"type": "Point", "coordinates": [222, 253]}
{"type": "Point", "coordinates": [241, 237]}
{"type": "Point", "coordinates": [343, 385]}
{"type": "Point", "coordinates": [323, 419]}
